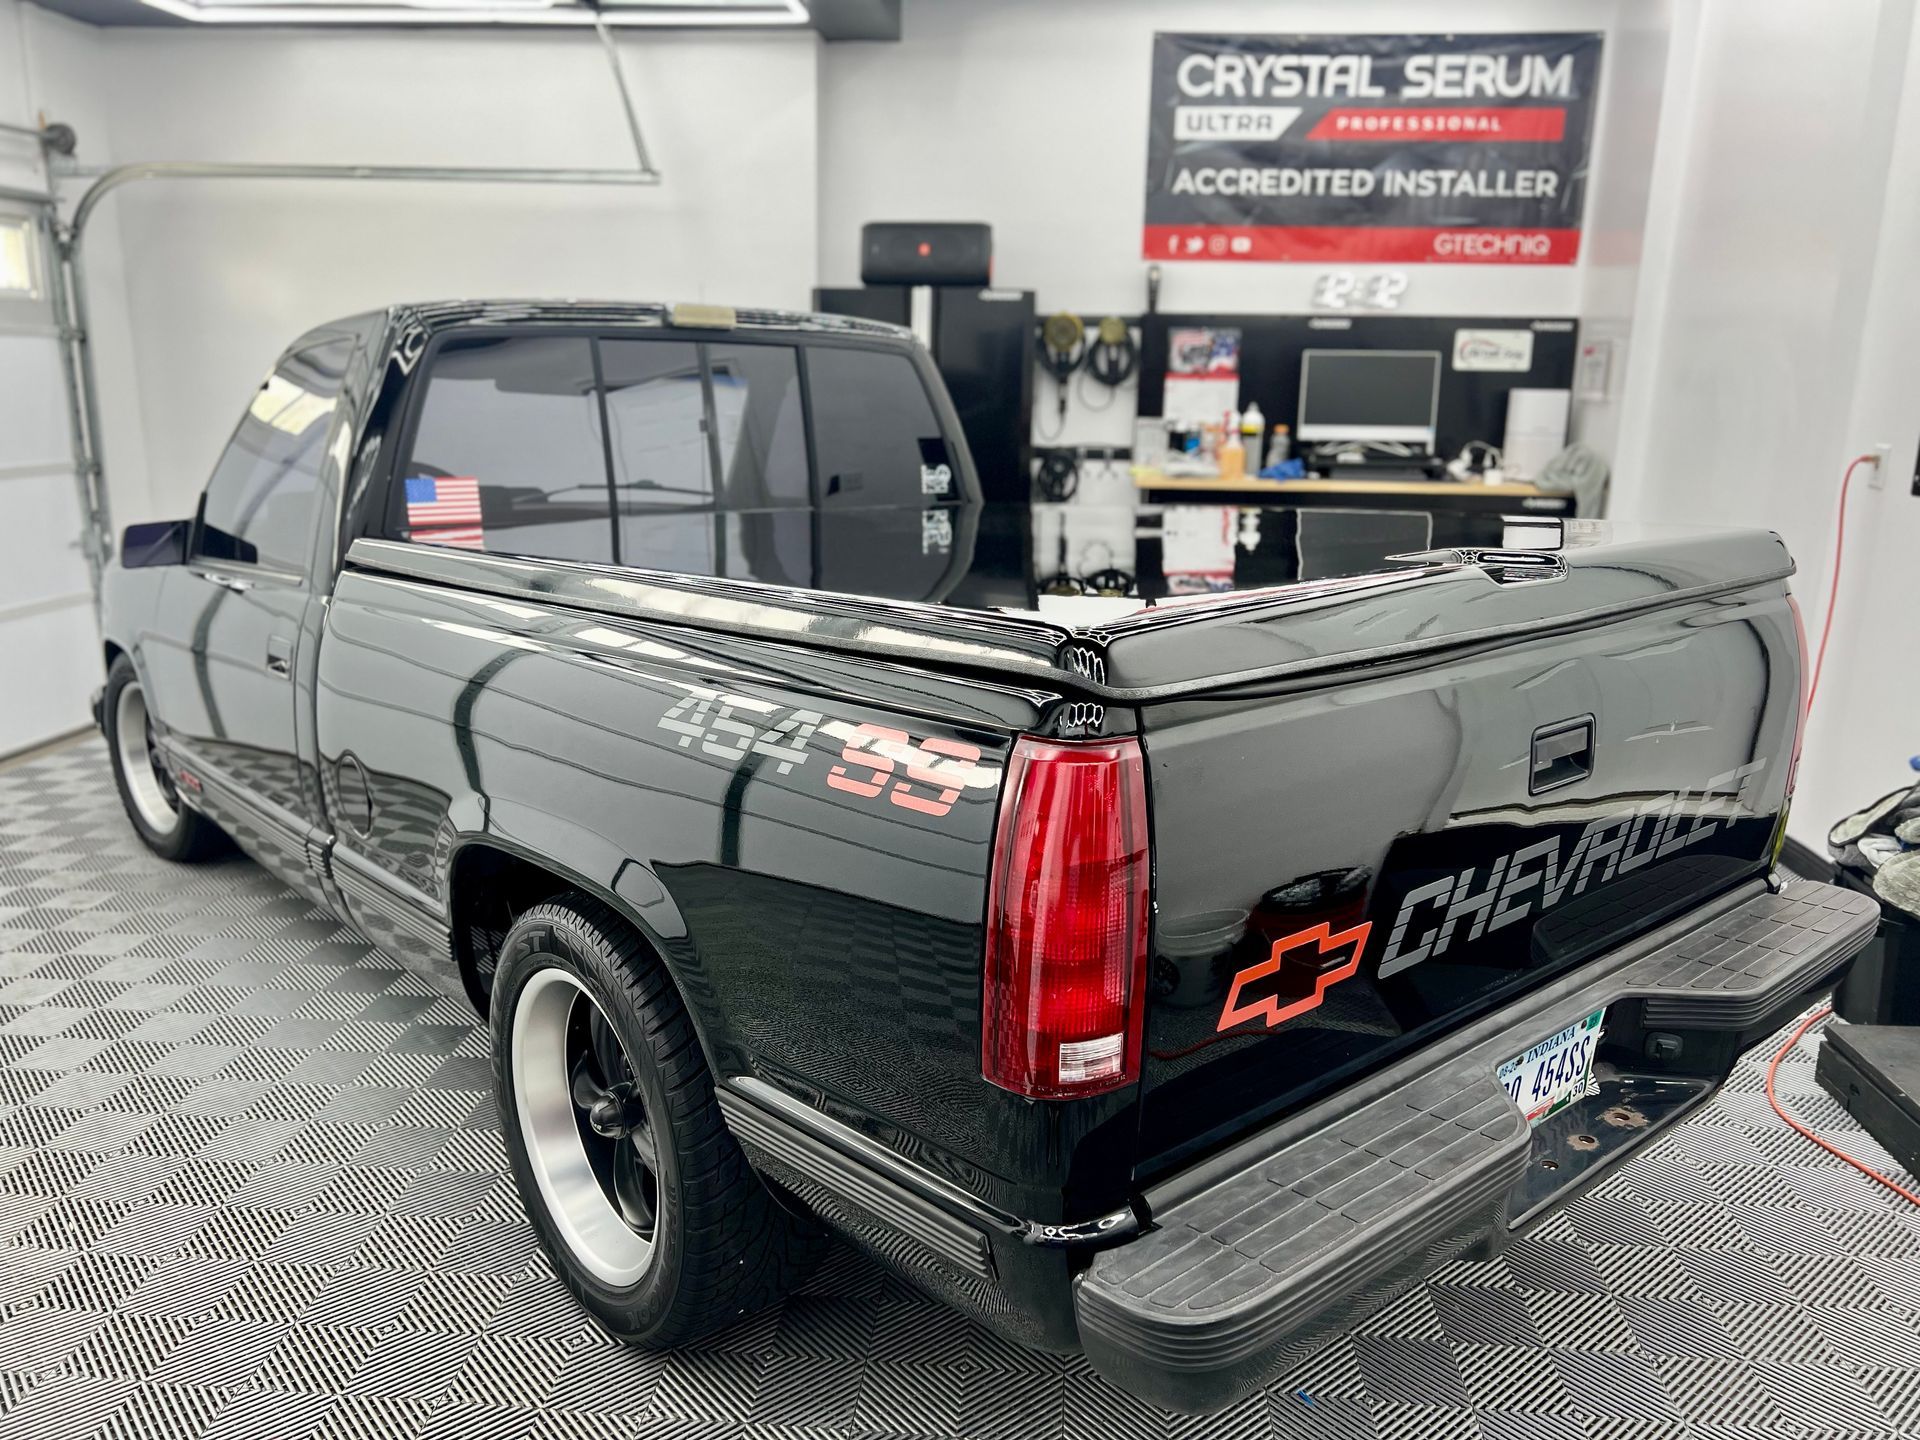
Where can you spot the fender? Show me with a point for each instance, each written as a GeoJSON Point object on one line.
{"type": "Point", "coordinates": [592, 863]}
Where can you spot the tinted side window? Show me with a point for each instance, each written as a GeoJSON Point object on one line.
{"type": "Point", "coordinates": [656, 409]}
{"type": "Point", "coordinates": [878, 440]}
{"type": "Point", "coordinates": [507, 453]}
{"type": "Point", "coordinates": [757, 420]}
{"type": "Point", "coordinates": [258, 508]}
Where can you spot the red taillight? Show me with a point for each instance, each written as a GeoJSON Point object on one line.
{"type": "Point", "coordinates": [1067, 921]}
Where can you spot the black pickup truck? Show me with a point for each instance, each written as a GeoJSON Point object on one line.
{"type": "Point", "coordinates": [1169, 961]}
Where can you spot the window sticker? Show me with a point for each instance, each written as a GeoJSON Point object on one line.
{"type": "Point", "coordinates": [936, 467]}
{"type": "Point", "coordinates": [936, 532]}
{"type": "Point", "coordinates": [445, 510]}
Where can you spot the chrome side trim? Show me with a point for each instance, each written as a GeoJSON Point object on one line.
{"type": "Point", "coordinates": [365, 884]}
{"type": "Point", "coordinates": [280, 823]}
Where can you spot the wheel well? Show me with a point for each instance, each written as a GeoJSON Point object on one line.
{"type": "Point", "coordinates": [490, 890]}
{"type": "Point", "coordinates": [114, 652]}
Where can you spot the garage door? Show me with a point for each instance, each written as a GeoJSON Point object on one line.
{"type": "Point", "coordinates": [49, 646]}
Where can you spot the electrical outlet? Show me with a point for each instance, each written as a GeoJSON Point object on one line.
{"type": "Point", "coordinates": [1877, 477]}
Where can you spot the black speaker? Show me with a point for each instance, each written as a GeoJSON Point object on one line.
{"type": "Point", "coordinates": [936, 253]}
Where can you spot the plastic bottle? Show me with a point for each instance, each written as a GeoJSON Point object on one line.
{"type": "Point", "coordinates": [1233, 455]}
{"type": "Point", "coordinates": [1253, 431]}
{"type": "Point", "coordinates": [1282, 446]}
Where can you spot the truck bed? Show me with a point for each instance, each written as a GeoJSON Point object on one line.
{"type": "Point", "coordinates": [1275, 615]}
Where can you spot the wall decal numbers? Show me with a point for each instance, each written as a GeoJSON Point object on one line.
{"type": "Point", "coordinates": [1345, 290]}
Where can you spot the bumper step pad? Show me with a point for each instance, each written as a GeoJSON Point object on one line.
{"type": "Point", "coordinates": [1244, 1278]}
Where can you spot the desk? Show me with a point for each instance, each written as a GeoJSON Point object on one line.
{"type": "Point", "coordinates": [1455, 495]}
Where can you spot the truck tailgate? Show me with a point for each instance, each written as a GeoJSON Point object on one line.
{"type": "Point", "coordinates": [1498, 777]}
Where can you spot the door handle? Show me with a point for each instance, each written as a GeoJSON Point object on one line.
{"type": "Point", "coordinates": [279, 655]}
{"type": "Point", "coordinates": [1562, 754]}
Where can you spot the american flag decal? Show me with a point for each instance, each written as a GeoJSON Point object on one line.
{"type": "Point", "coordinates": [445, 510]}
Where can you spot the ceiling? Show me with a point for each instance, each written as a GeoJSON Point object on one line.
{"type": "Point", "coordinates": [834, 19]}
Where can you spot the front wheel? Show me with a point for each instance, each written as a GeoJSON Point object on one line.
{"type": "Point", "coordinates": [167, 827]}
{"type": "Point", "coordinates": [638, 1193]}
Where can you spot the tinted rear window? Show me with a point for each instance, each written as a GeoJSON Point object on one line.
{"type": "Point", "coordinates": [545, 445]}
{"type": "Point", "coordinates": [759, 425]}
{"type": "Point", "coordinates": [655, 410]}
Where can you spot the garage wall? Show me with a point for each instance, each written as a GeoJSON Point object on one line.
{"type": "Point", "coordinates": [230, 271]}
{"type": "Point", "coordinates": [19, 165]}
{"type": "Point", "coordinates": [1639, 48]}
{"type": "Point", "coordinates": [62, 63]}
{"type": "Point", "coordinates": [48, 643]}
{"type": "Point", "coordinates": [1867, 720]}
{"type": "Point", "coordinates": [1034, 119]}
{"type": "Point", "coordinates": [1769, 300]}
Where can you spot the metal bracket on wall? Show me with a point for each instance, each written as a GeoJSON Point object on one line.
{"type": "Point", "coordinates": [69, 281]}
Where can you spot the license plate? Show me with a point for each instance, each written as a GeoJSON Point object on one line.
{"type": "Point", "coordinates": [1556, 1072]}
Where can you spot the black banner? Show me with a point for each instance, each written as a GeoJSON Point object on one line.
{"type": "Point", "coordinates": [1469, 149]}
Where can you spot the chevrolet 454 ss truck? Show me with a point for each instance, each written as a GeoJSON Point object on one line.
{"type": "Point", "coordinates": [1169, 976]}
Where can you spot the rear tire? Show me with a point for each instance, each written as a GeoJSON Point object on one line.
{"type": "Point", "coordinates": [165, 824]}
{"type": "Point", "coordinates": [638, 1193]}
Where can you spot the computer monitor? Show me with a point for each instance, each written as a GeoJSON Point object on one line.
{"type": "Point", "coordinates": [1369, 395]}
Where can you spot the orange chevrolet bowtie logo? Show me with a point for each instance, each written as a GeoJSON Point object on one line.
{"type": "Point", "coordinates": [1293, 953]}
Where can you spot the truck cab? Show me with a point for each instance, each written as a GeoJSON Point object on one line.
{"type": "Point", "coordinates": [765, 445]}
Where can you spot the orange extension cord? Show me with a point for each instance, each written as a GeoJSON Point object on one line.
{"type": "Point", "coordinates": [1813, 687]}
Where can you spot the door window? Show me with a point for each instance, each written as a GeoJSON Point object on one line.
{"type": "Point", "coordinates": [875, 432]}
{"type": "Point", "coordinates": [258, 507]}
{"type": "Point", "coordinates": [507, 454]}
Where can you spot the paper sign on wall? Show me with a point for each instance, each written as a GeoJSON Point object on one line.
{"type": "Point", "coordinates": [1493, 350]}
{"type": "Point", "coordinates": [1203, 375]}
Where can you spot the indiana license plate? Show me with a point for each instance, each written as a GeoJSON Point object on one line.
{"type": "Point", "coordinates": [1556, 1072]}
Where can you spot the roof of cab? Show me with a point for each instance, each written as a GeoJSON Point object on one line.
{"type": "Point", "coordinates": [421, 320]}
{"type": "Point", "coordinates": [445, 314]}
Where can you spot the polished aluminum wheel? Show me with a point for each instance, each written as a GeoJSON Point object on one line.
{"type": "Point", "coordinates": [588, 1138]}
{"type": "Point", "coordinates": [148, 782]}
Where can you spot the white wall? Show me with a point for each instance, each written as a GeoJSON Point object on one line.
{"type": "Point", "coordinates": [64, 68]}
{"type": "Point", "coordinates": [1764, 267]}
{"type": "Point", "coordinates": [1626, 144]}
{"type": "Point", "coordinates": [1866, 720]}
{"type": "Point", "coordinates": [229, 271]}
{"type": "Point", "coordinates": [19, 160]}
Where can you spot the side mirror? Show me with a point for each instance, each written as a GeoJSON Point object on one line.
{"type": "Point", "coordinates": [159, 542]}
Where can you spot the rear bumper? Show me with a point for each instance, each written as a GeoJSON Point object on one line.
{"type": "Point", "coordinates": [1261, 1254]}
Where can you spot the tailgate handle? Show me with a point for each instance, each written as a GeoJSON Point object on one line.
{"type": "Point", "coordinates": [1562, 754]}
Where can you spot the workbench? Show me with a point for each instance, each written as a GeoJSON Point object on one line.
{"type": "Point", "coordinates": [1465, 496]}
